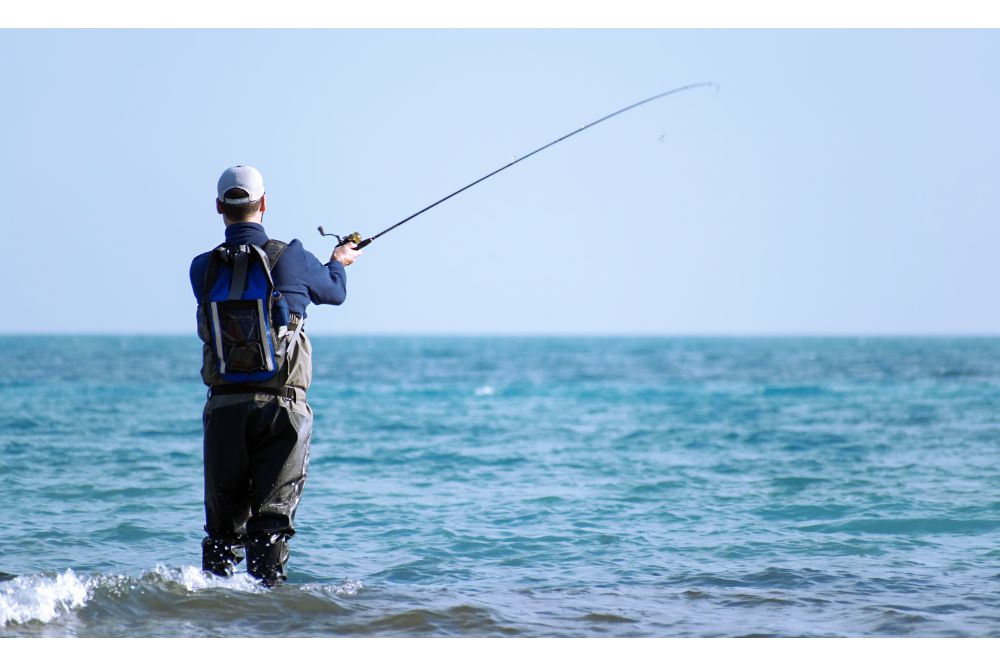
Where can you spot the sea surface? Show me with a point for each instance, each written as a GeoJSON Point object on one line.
{"type": "Point", "coordinates": [522, 487]}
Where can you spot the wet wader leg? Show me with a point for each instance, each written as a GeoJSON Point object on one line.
{"type": "Point", "coordinates": [279, 458]}
{"type": "Point", "coordinates": [227, 487]}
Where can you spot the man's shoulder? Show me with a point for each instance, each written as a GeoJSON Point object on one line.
{"type": "Point", "coordinates": [294, 241]}
{"type": "Point", "coordinates": [200, 260]}
{"type": "Point", "coordinates": [293, 250]}
{"type": "Point", "coordinates": [202, 256]}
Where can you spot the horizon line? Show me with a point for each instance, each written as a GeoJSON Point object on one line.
{"type": "Point", "coordinates": [539, 334]}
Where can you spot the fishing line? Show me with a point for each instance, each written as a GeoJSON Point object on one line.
{"type": "Point", "coordinates": [356, 238]}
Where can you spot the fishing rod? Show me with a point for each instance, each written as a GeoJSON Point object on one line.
{"type": "Point", "coordinates": [356, 237]}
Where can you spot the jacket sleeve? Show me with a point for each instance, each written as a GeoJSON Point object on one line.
{"type": "Point", "coordinates": [327, 282]}
{"type": "Point", "coordinates": [197, 275]}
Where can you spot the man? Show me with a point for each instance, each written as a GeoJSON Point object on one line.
{"type": "Point", "coordinates": [256, 447]}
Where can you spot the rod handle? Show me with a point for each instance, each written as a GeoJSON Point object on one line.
{"type": "Point", "coordinates": [364, 243]}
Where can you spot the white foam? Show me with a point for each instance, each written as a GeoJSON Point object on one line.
{"type": "Point", "coordinates": [485, 390]}
{"type": "Point", "coordinates": [349, 588]}
{"type": "Point", "coordinates": [41, 597]}
{"type": "Point", "coordinates": [193, 579]}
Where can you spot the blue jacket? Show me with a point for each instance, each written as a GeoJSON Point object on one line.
{"type": "Point", "coordinates": [298, 274]}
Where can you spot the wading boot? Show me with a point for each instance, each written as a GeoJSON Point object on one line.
{"type": "Point", "coordinates": [219, 557]}
{"type": "Point", "coordinates": [267, 555]}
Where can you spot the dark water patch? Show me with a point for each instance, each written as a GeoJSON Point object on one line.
{"type": "Point", "coordinates": [707, 580]}
{"type": "Point", "coordinates": [756, 601]}
{"type": "Point", "coordinates": [907, 526]}
{"type": "Point", "coordinates": [655, 489]}
{"type": "Point", "coordinates": [520, 518]}
{"type": "Point", "coordinates": [424, 571]}
{"type": "Point", "coordinates": [728, 469]}
{"type": "Point", "coordinates": [484, 550]}
{"type": "Point", "coordinates": [795, 512]}
{"type": "Point", "coordinates": [794, 391]}
{"type": "Point", "coordinates": [944, 609]}
{"type": "Point", "coordinates": [819, 442]}
{"type": "Point", "coordinates": [787, 578]}
{"type": "Point", "coordinates": [20, 424]}
{"type": "Point", "coordinates": [98, 495]}
{"type": "Point", "coordinates": [898, 623]}
{"type": "Point", "coordinates": [740, 552]}
{"type": "Point", "coordinates": [640, 435]}
{"type": "Point", "coordinates": [796, 483]}
{"type": "Point", "coordinates": [400, 532]}
{"type": "Point", "coordinates": [772, 577]}
{"type": "Point", "coordinates": [839, 548]}
{"type": "Point", "coordinates": [957, 373]}
{"type": "Point", "coordinates": [606, 618]}
{"type": "Point", "coordinates": [126, 531]}
{"type": "Point", "coordinates": [383, 426]}
{"type": "Point", "coordinates": [547, 500]}
{"type": "Point", "coordinates": [183, 458]}
{"type": "Point", "coordinates": [461, 620]}
{"type": "Point", "coordinates": [193, 434]}
{"type": "Point", "coordinates": [696, 594]}
{"type": "Point", "coordinates": [15, 448]}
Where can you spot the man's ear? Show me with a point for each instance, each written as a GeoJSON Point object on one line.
{"type": "Point", "coordinates": [263, 202]}
{"type": "Point", "coordinates": [218, 207]}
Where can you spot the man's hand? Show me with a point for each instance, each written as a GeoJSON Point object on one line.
{"type": "Point", "coordinates": [345, 254]}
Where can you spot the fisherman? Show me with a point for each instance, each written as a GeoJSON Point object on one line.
{"type": "Point", "coordinates": [257, 426]}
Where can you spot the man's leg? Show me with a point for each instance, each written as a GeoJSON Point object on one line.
{"type": "Point", "coordinates": [279, 458]}
{"type": "Point", "coordinates": [227, 484]}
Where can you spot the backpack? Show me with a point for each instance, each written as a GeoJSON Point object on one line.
{"type": "Point", "coordinates": [242, 317]}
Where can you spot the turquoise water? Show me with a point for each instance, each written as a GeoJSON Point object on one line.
{"type": "Point", "coordinates": [523, 487]}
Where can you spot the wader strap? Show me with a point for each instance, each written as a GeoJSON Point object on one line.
{"type": "Point", "coordinates": [239, 276]}
{"type": "Point", "coordinates": [239, 389]}
{"type": "Point", "coordinates": [298, 322]}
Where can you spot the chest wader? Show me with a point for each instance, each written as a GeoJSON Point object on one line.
{"type": "Point", "coordinates": [257, 363]}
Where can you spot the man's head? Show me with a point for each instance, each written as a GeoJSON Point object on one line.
{"type": "Point", "coordinates": [241, 195]}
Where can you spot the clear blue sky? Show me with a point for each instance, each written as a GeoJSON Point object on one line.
{"type": "Point", "coordinates": [841, 182]}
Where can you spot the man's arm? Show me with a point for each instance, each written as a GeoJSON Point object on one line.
{"type": "Point", "coordinates": [328, 282]}
{"type": "Point", "coordinates": [197, 275]}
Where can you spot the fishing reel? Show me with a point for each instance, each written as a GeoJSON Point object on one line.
{"type": "Point", "coordinates": [344, 240]}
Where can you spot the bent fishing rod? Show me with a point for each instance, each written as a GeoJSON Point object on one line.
{"type": "Point", "coordinates": [359, 243]}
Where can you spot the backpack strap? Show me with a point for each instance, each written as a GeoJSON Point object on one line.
{"type": "Point", "coordinates": [241, 262]}
{"type": "Point", "coordinates": [273, 249]}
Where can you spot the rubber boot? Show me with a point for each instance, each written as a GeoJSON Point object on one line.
{"type": "Point", "coordinates": [267, 555]}
{"type": "Point", "coordinates": [219, 557]}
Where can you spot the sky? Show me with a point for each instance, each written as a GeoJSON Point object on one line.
{"type": "Point", "coordinates": [840, 182]}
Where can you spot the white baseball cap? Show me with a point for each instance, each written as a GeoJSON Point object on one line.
{"type": "Point", "coordinates": [245, 178]}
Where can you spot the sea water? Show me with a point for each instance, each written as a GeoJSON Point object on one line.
{"type": "Point", "coordinates": [522, 487]}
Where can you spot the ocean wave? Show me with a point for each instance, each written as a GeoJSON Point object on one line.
{"type": "Point", "coordinates": [42, 597]}
{"type": "Point", "coordinates": [908, 526]}
{"type": "Point", "coordinates": [47, 598]}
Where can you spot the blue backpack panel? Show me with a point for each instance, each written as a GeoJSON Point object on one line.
{"type": "Point", "coordinates": [245, 314]}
